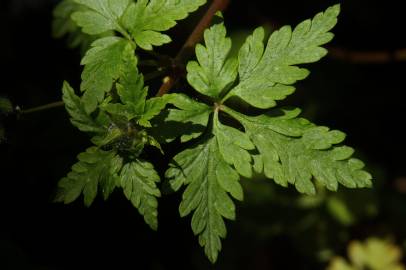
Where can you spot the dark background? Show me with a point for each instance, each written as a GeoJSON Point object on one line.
{"type": "Point", "coordinates": [364, 99]}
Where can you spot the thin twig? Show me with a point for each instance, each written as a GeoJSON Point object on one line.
{"type": "Point", "coordinates": [188, 48]}
{"type": "Point", "coordinates": [363, 57]}
{"type": "Point", "coordinates": [42, 108]}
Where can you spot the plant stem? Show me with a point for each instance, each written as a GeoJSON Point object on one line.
{"type": "Point", "coordinates": [188, 47]}
{"type": "Point", "coordinates": [154, 74]}
{"type": "Point", "coordinates": [148, 63]}
{"type": "Point", "coordinates": [43, 107]}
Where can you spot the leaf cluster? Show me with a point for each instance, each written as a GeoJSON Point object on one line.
{"type": "Point", "coordinates": [225, 142]}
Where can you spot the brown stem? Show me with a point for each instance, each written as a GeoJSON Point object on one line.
{"type": "Point", "coordinates": [187, 49]}
{"type": "Point", "coordinates": [362, 57]}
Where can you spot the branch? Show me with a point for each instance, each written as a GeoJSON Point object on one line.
{"type": "Point", "coordinates": [188, 48]}
{"type": "Point", "coordinates": [362, 57]}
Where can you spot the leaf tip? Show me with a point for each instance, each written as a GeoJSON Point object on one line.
{"type": "Point", "coordinates": [335, 9]}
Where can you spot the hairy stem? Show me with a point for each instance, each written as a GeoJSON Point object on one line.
{"type": "Point", "coordinates": [188, 47]}
{"type": "Point", "coordinates": [43, 107]}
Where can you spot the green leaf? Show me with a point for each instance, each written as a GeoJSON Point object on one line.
{"type": "Point", "coordinates": [295, 151]}
{"type": "Point", "coordinates": [188, 120]}
{"type": "Point", "coordinates": [340, 211]}
{"type": "Point", "coordinates": [131, 91]}
{"type": "Point", "coordinates": [110, 135]}
{"type": "Point", "coordinates": [133, 96]}
{"type": "Point", "coordinates": [286, 148]}
{"type": "Point", "coordinates": [63, 25]}
{"type": "Point", "coordinates": [153, 107]}
{"type": "Point", "coordinates": [207, 171]}
{"type": "Point", "coordinates": [101, 16]}
{"type": "Point", "coordinates": [213, 73]}
{"type": "Point", "coordinates": [147, 18]}
{"type": "Point", "coordinates": [269, 72]}
{"type": "Point", "coordinates": [76, 109]}
{"type": "Point", "coordinates": [131, 87]}
{"type": "Point", "coordinates": [138, 180]}
{"type": "Point", "coordinates": [374, 254]}
{"type": "Point", "coordinates": [96, 169]}
{"type": "Point", "coordinates": [232, 145]}
{"type": "Point", "coordinates": [103, 65]}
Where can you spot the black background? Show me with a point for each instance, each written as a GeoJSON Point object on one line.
{"type": "Point", "coordinates": [364, 100]}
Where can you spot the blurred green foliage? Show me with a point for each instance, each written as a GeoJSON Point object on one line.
{"type": "Point", "coordinates": [372, 254]}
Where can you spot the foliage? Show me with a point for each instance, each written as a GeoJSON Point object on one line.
{"type": "Point", "coordinates": [374, 254]}
{"type": "Point", "coordinates": [225, 140]}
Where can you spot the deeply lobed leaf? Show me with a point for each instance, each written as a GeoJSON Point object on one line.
{"type": "Point", "coordinates": [138, 180]}
{"type": "Point", "coordinates": [131, 91]}
{"type": "Point", "coordinates": [207, 170]}
{"type": "Point", "coordinates": [188, 120]}
{"type": "Point", "coordinates": [76, 109]}
{"type": "Point", "coordinates": [103, 65]}
{"type": "Point", "coordinates": [101, 16]}
{"type": "Point", "coordinates": [213, 72]}
{"type": "Point", "coordinates": [96, 169]}
{"type": "Point", "coordinates": [63, 25]}
{"type": "Point", "coordinates": [284, 147]}
{"type": "Point", "coordinates": [268, 72]}
{"type": "Point", "coordinates": [145, 19]}
{"type": "Point", "coordinates": [295, 151]}
{"type": "Point", "coordinates": [133, 96]}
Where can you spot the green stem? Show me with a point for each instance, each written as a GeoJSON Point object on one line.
{"type": "Point", "coordinates": [122, 31]}
{"type": "Point", "coordinates": [43, 107]}
{"type": "Point", "coordinates": [224, 99]}
{"type": "Point", "coordinates": [231, 112]}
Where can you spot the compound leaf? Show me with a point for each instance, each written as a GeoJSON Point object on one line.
{"type": "Point", "coordinates": [295, 151]}
{"type": "Point", "coordinates": [96, 169]}
{"type": "Point", "coordinates": [138, 180]}
{"type": "Point", "coordinates": [286, 148]}
{"type": "Point", "coordinates": [269, 72]}
{"type": "Point", "coordinates": [145, 19]}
